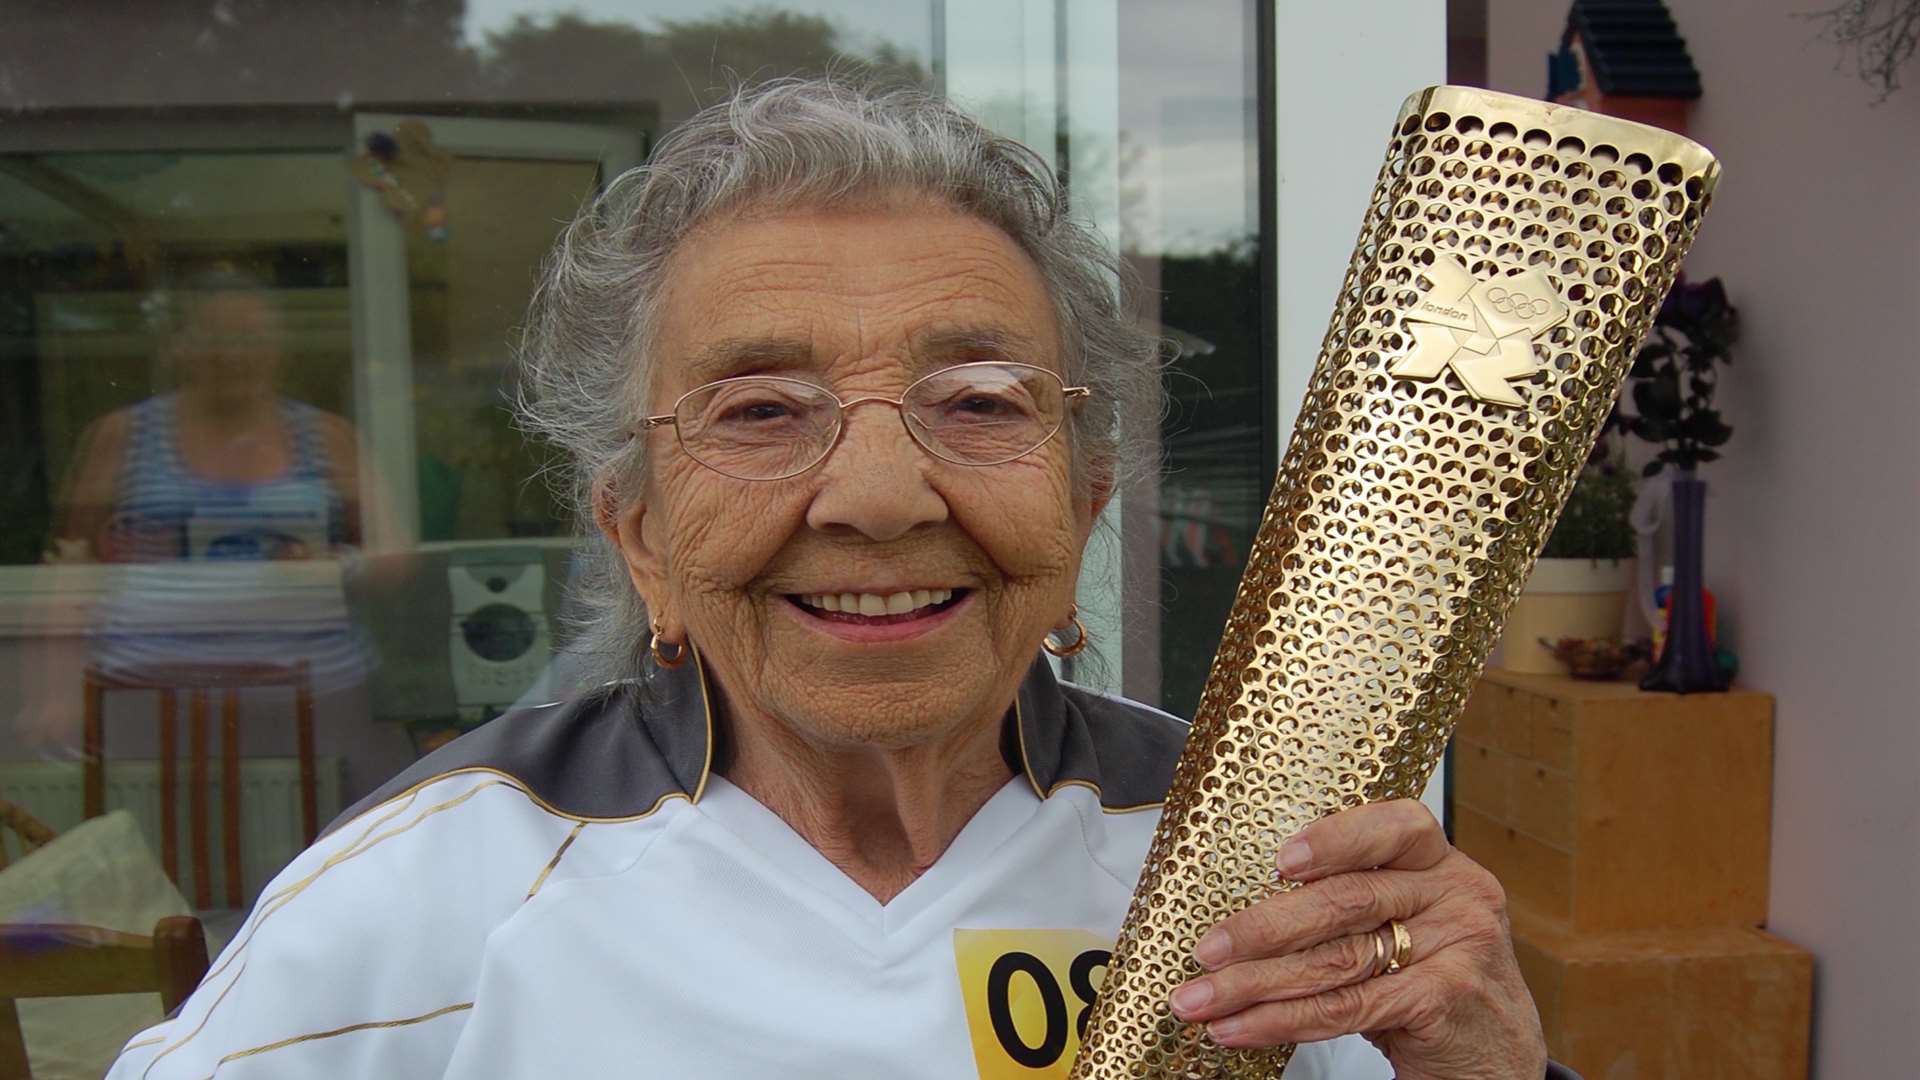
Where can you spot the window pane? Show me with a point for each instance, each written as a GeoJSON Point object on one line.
{"type": "Point", "coordinates": [1190, 225]}
{"type": "Point", "coordinates": [262, 271]}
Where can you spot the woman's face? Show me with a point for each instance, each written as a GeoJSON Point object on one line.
{"type": "Point", "coordinates": [230, 346]}
{"type": "Point", "coordinates": [863, 302]}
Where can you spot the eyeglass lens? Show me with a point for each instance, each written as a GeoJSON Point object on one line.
{"type": "Point", "coordinates": [769, 428]}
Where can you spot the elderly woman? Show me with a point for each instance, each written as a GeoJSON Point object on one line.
{"type": "Point", "coordinates": [841, 379]}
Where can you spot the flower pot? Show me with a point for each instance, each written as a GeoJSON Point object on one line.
{"type": "Point", "coordinates": [1577, 598]}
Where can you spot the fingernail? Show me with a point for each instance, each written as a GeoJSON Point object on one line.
{"type": "Point", "coordinates": [1295, 857]}
{"type": "Point", "coordinates": [1192, 997]}
{"type": "Point", "coordinates": [1223, 1030]}
{"type": "Point", "coordinates": [1213, 949]}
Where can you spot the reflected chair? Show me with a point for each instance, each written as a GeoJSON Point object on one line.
{"type": "Point", "coordinates": [200, 681]}
{"type": "Point", "coordinates": [57, 960]}
{"type": "Point", "coordinates": [27, 831]}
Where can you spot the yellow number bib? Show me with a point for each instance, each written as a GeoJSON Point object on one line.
{"type": "Point", "coordinates": [1028, 995]}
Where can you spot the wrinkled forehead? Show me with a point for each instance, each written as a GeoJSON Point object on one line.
{"type": "Point", "coordinates": [917, 286]}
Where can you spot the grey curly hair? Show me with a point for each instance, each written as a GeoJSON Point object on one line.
{"type": "Point", "coordinates": [586, 357]}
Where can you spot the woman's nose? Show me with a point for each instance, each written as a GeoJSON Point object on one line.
{"type": "Point", "coordinates": [875, 481]}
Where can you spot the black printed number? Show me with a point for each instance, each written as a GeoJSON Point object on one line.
{"type": "Point", "coordinates": [1053, 1003]}
{"type": "Point", "coordinates": [1081, 976]}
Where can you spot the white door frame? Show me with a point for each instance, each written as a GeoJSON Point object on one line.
{"type": "Point", "coordinates": [1340, 74]}
{"type": "Point", "coordinates": [382, 322]}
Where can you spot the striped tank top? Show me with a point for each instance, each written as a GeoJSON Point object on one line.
{"type": "Point", "coordinates": [162, 512]}
{"type": "Point", "coordinates": [222, 572]}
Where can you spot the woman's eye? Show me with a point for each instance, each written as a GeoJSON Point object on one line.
{"type": "Point", "coordinates": [763, 410]}
{"type": "Point", "coordinates": [980, 405]}
{"type": "Point", "coordinates": [751, 411]}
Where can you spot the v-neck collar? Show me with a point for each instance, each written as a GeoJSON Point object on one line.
{"type": "Point", "coordinates": [1049, 738]}
{"type": "Point", "coordinates": [788, 854]}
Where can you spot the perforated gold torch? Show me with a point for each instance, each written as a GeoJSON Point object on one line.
{"type": "Point", "coordinates": [1512, 258]}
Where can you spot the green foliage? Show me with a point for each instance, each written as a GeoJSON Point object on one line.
{"type": "Point", "coordinates": [1674, 375]}
{"type": "Point", "coordinates": [1595, 523]}
{"type": "Point", "coordinates": [677, 64]}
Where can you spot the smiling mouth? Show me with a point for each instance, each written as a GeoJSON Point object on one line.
{"type": "Point", "coordinates": [874, 609]}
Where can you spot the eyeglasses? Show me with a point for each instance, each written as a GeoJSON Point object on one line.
{"type": "Point", "coordinates": [765, 427]}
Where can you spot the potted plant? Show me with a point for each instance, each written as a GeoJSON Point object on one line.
{"type": "Point", "coordinates": [1579, 587]}
{"type": "Point", "coordinates": [1673, 379]}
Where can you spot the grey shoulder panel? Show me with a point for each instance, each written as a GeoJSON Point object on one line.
{"type": "Point", "coordinates": [1132, 748]}
{"type": "Point", "coordinates": [1123, 749]}
{"type": "Point", "coordinates": [613, 752]}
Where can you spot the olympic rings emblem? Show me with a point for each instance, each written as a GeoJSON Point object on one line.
{"type": "Point", "coordinates": [1507, 302]}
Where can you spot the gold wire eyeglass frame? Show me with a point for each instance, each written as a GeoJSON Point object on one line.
{"type": "Point", "coordinates": [1070, 396]}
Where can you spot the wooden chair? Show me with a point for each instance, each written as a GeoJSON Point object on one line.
{"type": "Point", "coordinates": [27, 831]}
{"type": "Point", "coordinates": [57, 960]}
{"type": "Point", "coordinates": [200, 681]}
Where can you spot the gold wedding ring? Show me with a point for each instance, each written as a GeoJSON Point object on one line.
{"type": "Point", "coordinates": [1379, 953]}
{"type": "Point", "coordinates": [1402, 946]}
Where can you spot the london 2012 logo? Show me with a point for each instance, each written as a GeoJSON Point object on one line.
{"type": "Point", "coordinates": [1483, 330]}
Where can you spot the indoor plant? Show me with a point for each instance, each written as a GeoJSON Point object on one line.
{"type": "Point", "coordinates": [1579, 586]}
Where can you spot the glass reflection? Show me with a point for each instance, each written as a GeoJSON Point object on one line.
{"type": "Point", "coordinates": [237, 434]}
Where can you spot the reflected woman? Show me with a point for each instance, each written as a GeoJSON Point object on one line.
{"type": "Point", "coordinates": [224, 467]}
{"type": "Point", "coordinates": [196, 490]}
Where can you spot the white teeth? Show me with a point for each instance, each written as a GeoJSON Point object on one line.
{"type": "Point", "coordinates": [899, 603]}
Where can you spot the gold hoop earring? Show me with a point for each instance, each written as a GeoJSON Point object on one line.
{"type": "Point", "coordinates": [666, 662]}
{"type": "Point", "coordinates": [1071, 648]}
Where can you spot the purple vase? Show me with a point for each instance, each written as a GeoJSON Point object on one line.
{"type": "Point", "coordinates": [1687, 664]}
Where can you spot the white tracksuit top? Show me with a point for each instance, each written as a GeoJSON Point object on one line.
{"type": "Point", "coordinates": [574, 891]}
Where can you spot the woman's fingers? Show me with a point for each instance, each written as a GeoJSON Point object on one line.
{"type": "Point", "coordinates": [1306, 964]}
{"type": "Point", "coordinates": [1235, 987]}
{"type": "Point", "coordinates": [1316, 913]}
{"type": "Point", "coordinates": [1398, 835]}
{"type": "Point", "coordinates": [1387, 1003]}
{"type": "Point", "coordinates": [1343, 961]}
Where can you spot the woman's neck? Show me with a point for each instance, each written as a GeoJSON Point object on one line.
{"type": "Point", "coordinates": [233, 412]}
{"type": "Point", "coordinates": [882, 815]}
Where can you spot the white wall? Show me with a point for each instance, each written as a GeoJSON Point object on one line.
{"type": "Point", "coordinates": [1333, 118]}
{"type": "Point", "coordinates": [1813, 541]}
{"type": "Point", "coordinates": [1341, 73]}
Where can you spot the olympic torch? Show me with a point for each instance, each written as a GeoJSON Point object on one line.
{"type": "Point", "coordinates": [1512, 257]}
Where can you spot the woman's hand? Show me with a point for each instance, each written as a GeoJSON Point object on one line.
{"type": "Point", "coordinates": [1301, 966]}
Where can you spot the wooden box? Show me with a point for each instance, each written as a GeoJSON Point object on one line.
{"type": "Point", "coordinates": [1703, 1003]}
{"type": "Point", "coordinates": [1607, 808]}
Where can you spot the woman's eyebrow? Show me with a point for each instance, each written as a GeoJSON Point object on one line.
{"type": "Point", "coordinates": [990, 342]}
{"type": "Point", "coordinates": [742, 356]}
{"type": "Point", "coordinates": [730, 357]}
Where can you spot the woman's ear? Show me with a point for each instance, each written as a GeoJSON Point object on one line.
{"type": "Point", "coordinates": [1102, 491]}
{"type": "Point", "coordinates": [624, 527]}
